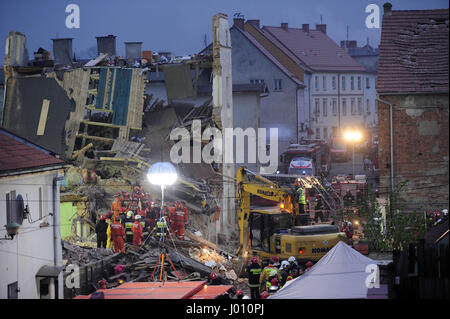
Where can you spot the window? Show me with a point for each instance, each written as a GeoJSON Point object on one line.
{"type": "Point", "coordinates": [368, 106]}
{"type": "Point", "coordinates": [324, 84]}
{"type": "Point", "coordinates": [325, 107]}
{"type": "Point", "coordinates": [367, 83]}
{"type": "Point", "coordinates": [334, 106]}
{"type": "Point", "coordinates": [317, 108]}
{"type": "Point", "coordinates": [13, 290]}
{"type": "Point", "coordinates": [352, 106]}
{"type": "Point", "coordinates": [325, 133]}
{"type": "Point", "coordinates": [352, 83]}
{"type": "Point", "coordinates": [344, 107]}
{"type": "Point", "coordinates": [360, 107]}
{"type": "Point", "coordinates": [318, 133]}
{"type": "Point", "coordinates": [359, 83]}
{"type": "Point", "coordinates": [257, 81]}
{"type": "Point", "coordinates": [343, 83]}
{"type": "Point", "coordinates": [316, 82]}
{"type": "Point", "coordinates": [333, 82]}
{"type": "Point", "coordinates": [277, 85]}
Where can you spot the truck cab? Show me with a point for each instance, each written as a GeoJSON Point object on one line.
{"type": "Point", "coordinates": [272, 232]}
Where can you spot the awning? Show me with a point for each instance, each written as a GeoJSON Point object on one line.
{"type": "Point", "coordinates": [49, 271]}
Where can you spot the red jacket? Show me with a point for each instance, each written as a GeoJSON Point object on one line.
{"type": "Point", "coordinates": [117, 230]}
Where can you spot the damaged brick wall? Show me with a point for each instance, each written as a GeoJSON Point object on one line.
{"type": "Point", "coordinates": [421, 147]}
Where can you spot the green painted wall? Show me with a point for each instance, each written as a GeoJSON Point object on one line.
{"type": "Point", "coordinates": [68, 212]}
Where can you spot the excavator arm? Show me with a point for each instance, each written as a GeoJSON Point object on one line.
{"type": "Point", "coordinates": [249, 183]}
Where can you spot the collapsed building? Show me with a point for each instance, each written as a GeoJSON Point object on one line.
{"type": "Point", "coordinates": [110, 118]}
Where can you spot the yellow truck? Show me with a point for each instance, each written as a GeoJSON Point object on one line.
{"type": "Point", "coordinates": [269, 230]}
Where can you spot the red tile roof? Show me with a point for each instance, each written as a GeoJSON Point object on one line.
{"type": "Point", "coordinates": [414, 52]}
{"type": "Point", "coordinates": [313, 48]}
{"type": "Point", "coordinates": [18, 154]}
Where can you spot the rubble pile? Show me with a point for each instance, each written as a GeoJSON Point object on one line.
{"type": "Point", "coordinates": [82, 253]}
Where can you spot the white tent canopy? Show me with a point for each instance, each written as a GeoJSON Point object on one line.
{"type": "Point", "coordinates": [340, 274]}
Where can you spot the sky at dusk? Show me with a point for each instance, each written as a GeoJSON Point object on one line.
{"type": "Point", "coordinates": [179, 26]}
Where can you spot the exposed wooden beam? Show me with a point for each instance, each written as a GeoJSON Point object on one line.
{"type": "Point", "coordinates": [100, 124]}
{"type": "Point", "coordinates": [99, 138]}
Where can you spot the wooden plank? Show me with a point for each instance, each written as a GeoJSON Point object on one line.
{"type": "Point", "coordinates": [43, 117]}
{"type": "Point", "coordinates": [84, 149]}
{"type": "Point", "coordinates": [97, 110]}
{"type": "Point", "coordinates": [98, 138]}
{"type": "Point", "coordinates": [100, 124]}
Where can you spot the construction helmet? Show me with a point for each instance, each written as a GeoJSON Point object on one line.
{"type": "Point", "coordinates": [274, 282]}
{"type": "Point", "coordinates": [318, 196]}
{"type": "Point", "coordinates": [109, 215]}
{"type": "Point", "coordinates": [273, 273]}
{"type": "Point", "coordinates": [309, 264]}
{"type": "Point", "coordinates": [137, 217]}
{"type": "Point", "coordinates": [239, 292]}
{"type": "Point", "coordinates": [213, 276]}
{"type": "Point", "coordinates": [130, 213]}
{"type": "Point", "coordinates": [102, 217]}
{"type": "Point", "coordinates": [275, 259]}
{"type": "Point", "coordinates": [296, 184]}
{"type": "Point", "coordinates": [445, 211]}
{"type": "Point", "coordinates": [264, 295]}
{"type": "Point", "coordinates": [284, 264]}
{"type": "Point", "coordinates": [291, 259]}
{"type": "Point", "coordinates": [254, 259]}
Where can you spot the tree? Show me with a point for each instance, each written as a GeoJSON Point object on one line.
{"type": "Point", "coordinates": [400, 227]}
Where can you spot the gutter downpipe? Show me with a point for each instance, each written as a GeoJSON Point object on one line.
{"type": "Point", "coordinates": [391, 133]}
{"type": "Point", "coordinates": [57, 255]}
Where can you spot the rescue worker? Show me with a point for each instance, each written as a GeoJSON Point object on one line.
{"type": "Point", "coordinates": [318, 206]}
{"type": "Point", "coordinates": [161, 228]}
{"type": "Point", "coordinates": [274, 287]}
{"type": "Point", "coordinates": [299, 218]}
{"type": "Point", "coordinates": [129, 220]}
{"type": "Point", "coordinates": [101, 228]}
{"type": "Point", "coordinates": [116, 205]}
{"type": "Point", "coordinates": [137, 232]}
{"type": "Point", "coordinates": [180, 219]}
{"type": "Point", "coordinates": [145, 227]}
{"type": "Point", "coordinates": [118, 235]}
{"type": "Point", "coordinates": [293, 263]}
{"type": "Point", "coordinates": [109, 242]}
{"type": "Point", "coordinates": [102, 284]}
{"type": "Point", "coordinates": [284, 272]}
{"type": "Point", "coordinates": [265, 274]}
{"type": "Point", "coordinates": [346, 229]}
{"type": "Point", "coordinates": [309, 265]}
{"type": "Point", "coordinates": [254, 272]}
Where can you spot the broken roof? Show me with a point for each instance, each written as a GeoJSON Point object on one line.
{"type": "Point", "coordinates": [17, 154]}
{"type": "Point", "coordinates": [313, 48]}
{"type": "Point", "coordinates": [414, 52]}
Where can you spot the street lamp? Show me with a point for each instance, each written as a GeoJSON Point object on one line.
{"type": "Point", "coordinates": [12, 229]}
{"type": "Point", "coordinates": [162, 173]}
{"type": "Point", "coordinates": [353, 136]}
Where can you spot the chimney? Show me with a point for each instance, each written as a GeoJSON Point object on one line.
{"type": "Point", "coordinates": [387, 7]}
{"type": "Point", "coordinates": [321, 27]}
{"type": "Point", "coordinates": [133, 50]}
{"type": "Point", "coordinates": [254, 23]}
{"type": "Point", "coordinates": [62, 51]}
{"type": "Point", "coordinates": [284, 26]}
{"type": "Point", "coordinates": [239, 23]}
{"type": "Point", "coordinates": [106, 45]}
{"type": "Point", "coordinates": [305, 27]}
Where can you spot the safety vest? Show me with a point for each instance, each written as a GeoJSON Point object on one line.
{"type": "Point", "coordinates": [129, 227]}
{"type": "Point", "coordinates": [144, 229]}
{"type": "Point", "coordinates": [301, 196]}
{"type": "Point", "coordinates": [179, 216]}
{"type": "Point", "coordinates": [160, 228]}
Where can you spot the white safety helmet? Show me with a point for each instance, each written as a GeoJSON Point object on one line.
{"type": "Point", "coordinates": [445, 212]}
{"type": "Point", "coordinates": [137, 216]}
{"type": "Point", "coordinates": [284, 264]}
{"type": "Point", "coordinates": [291, 259]}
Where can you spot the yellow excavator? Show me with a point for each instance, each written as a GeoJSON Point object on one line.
{"type": "Point", "coordinates": [268, 230]}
